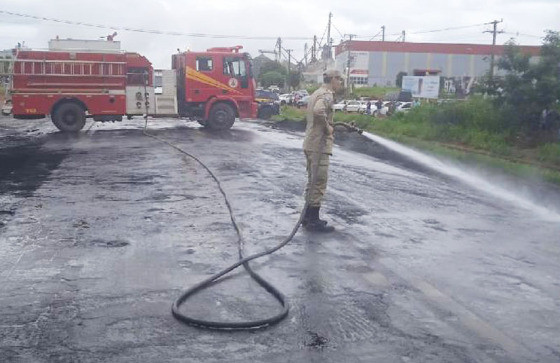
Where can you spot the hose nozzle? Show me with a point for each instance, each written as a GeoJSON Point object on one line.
{"type": "Point", "coordinates": [350, 126]}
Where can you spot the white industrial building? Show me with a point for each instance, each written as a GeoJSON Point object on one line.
{"type": "Point", "coordinates": [378, 63]}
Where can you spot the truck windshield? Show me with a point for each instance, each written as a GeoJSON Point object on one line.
{"type": "Point", "coordinates": [235, 67]}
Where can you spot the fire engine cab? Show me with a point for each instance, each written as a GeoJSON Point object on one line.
{"type": "Point", "coordinates": [215, 86]}
{"type": "Point", "coordinates": [77, 79]}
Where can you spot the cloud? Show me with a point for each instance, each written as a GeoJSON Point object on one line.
{"type": "Point", "coordinates": [287, 18]}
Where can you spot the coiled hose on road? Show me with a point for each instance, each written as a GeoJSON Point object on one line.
{"type": "Point", "coordinates": [242, 325]}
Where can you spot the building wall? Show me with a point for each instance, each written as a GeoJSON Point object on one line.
{"type": "Point", "coordinates": [384, 66]}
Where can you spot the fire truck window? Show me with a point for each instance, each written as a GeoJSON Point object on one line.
{"type": "Point", "coordinates": [234, 67]}
{"type": "Point", "coordinates": [204, 64]}
{"type": "Point", "coordinates": [135, 76]}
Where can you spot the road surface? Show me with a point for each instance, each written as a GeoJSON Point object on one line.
{"type": "Point", "coordinates": [100, 232]}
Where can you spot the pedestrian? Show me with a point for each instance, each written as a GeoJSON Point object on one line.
{"type": "Point", "coordinates": [318, 146]}
{"type": "Point", "coordinates": [543, 119]}
{"type": "Point", "coordinates": [368, 107]}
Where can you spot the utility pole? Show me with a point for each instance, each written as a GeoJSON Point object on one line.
{"type": "Point", "coordinates": [279, 44]}
{"type": "Point", "coordinates": [494, 33]}
{"type": "Point", "coordinates": [383, 33]}
{"type": "Point", "coordinates": [329, 40]}
{"type": "Point", "coordinates": [350, 36]}
{"type": "Point", "coordinates": [289, 51]}
{"type": "Point", "coordinates": [305, 53]}
{"type": "Point", "coordinates": [314, 50]}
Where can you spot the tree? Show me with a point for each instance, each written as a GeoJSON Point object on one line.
{"type": "Point", "coordinates": [400, 76]}
{"type": "Point", "coordinates": [272, 66]}
{"type": "Point", "coordinates": [528, 87]}
{"type": "Point", "coordinates": [269, 72]}
{"type": "Point", "coordinates": [272, 78]}
{"type": "Point", "coordinates": [295, 79]}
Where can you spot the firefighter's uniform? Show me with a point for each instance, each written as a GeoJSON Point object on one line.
{"type": "Point", "coordinates": [318, 146]}
{"type": "Point", "coordinates": [319, 127]}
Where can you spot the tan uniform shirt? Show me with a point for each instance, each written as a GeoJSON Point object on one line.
{"type": "Point", "coordinates": [319, 121]}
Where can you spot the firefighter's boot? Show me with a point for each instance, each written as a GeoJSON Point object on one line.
{"type": "Point", "coordinates": [314, 224]}
{"type": "Point", "coordinates": [309, 215]}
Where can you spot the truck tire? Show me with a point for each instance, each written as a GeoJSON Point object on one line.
{"type": "Point", "coordinates": [222, 117]}
{"type": "Point", "coordinates": [69, 117]}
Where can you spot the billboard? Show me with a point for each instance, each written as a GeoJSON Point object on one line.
{"type": "Point", "coordinates": [459, 87]}
{"type": "Point", "coordinates": [421, 86]}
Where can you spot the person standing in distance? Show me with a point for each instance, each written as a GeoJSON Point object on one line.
{"type": "Point", "coordinates": [317, 147]}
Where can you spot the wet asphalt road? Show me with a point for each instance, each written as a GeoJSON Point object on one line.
{"type": "Point", "coordinates": [100, 232]}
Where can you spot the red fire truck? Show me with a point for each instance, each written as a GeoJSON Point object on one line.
{"type": "Point", "coordinates": [72, 83]}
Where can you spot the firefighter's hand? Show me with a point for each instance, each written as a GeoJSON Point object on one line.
{"type": "Point", "coordinates": [340, 128]}
{"type": "Point", "coordinates": [348, 127]}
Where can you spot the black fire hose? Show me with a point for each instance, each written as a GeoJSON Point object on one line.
{"type": "Point", "coordinates": [243, 325]}
{"type": "Point", "coordinates": [349, 127]}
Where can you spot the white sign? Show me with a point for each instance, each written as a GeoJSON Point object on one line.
{"type": "Point", "coordinates": [421, 86]}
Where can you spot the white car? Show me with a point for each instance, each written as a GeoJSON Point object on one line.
{"type": "Point", "coordinates": [404, 107]}
{"type": "Point", "coordinates": [340, 106]}
{"type": "Point", "coordinates": [286, 99]}
{"type": "Point", "coordinates": [354, 106]}
{"type": "Point", "coordinates": [302, 102]}
{"type": "Point", "coordinates": [7, 107]}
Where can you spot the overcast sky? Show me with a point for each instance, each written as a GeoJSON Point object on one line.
{"type": "Point", "coordinates": [522, 19]}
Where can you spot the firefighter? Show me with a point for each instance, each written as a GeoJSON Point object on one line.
{"type": "Point", "coordinates": [317, 147]}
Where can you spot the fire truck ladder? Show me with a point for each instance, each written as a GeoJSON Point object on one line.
{"type": "Point", "coordinates": [70, 68]}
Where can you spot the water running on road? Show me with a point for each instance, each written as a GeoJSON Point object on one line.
{"type": "Point", "coordinates": [466, 176]}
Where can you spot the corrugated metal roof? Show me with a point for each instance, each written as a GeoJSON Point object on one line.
{"type": "Point", "coordinates": [443, 48]}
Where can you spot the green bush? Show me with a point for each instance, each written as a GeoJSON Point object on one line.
{"type": "Point", "coordinates": [549, 153]}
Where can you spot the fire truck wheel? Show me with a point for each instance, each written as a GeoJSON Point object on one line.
{"type": "Point", "coordinates": [222, 117]}
{"type": "Point", "coordinates": [69, 117]}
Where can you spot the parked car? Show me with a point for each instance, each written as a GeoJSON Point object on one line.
{"type": "Point", "coordinates": [354, 106]}
{"type": "Point", "coordinates": [405, 96]}
{"type": "Point", "coordinates": [7, 107]}
{"type": "Point", "coordinates": [286, 99]}
{"type": "Point", "coordinates": [363, 107]}
{"type": "Point", "coordinates": [269, 104]}
{"type": "Point", "coordinates": [274, 89]}
{"type": "Point", "coordinates": [340, 106]}
{"type": "Point", "coordinates": [404, 107]}
{"type": "Point", "coordinates": [302, 102]}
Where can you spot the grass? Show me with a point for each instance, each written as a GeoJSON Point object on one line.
{"type": "Point", "coordinates": [373, 92]}
{"type": "Point", "coordinates": [460, 133]}
{"type": "Point", "coordinates": [290, 113]}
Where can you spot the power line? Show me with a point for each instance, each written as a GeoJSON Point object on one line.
{"type": "Point", "coordinates": [339, 32]}
{"type": "Point", "coordinates": [427, 31]}
{"type": "Point", "coordinates": [447, 29]}
{"type": "Point", "coordinates": [148, 31]}
{"type": "Point", "coordinates": [323, 36]}
{"type": "Point", "coordinates": [524, 35]}
{"type": "Point", "coordinates": [376, 35]}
